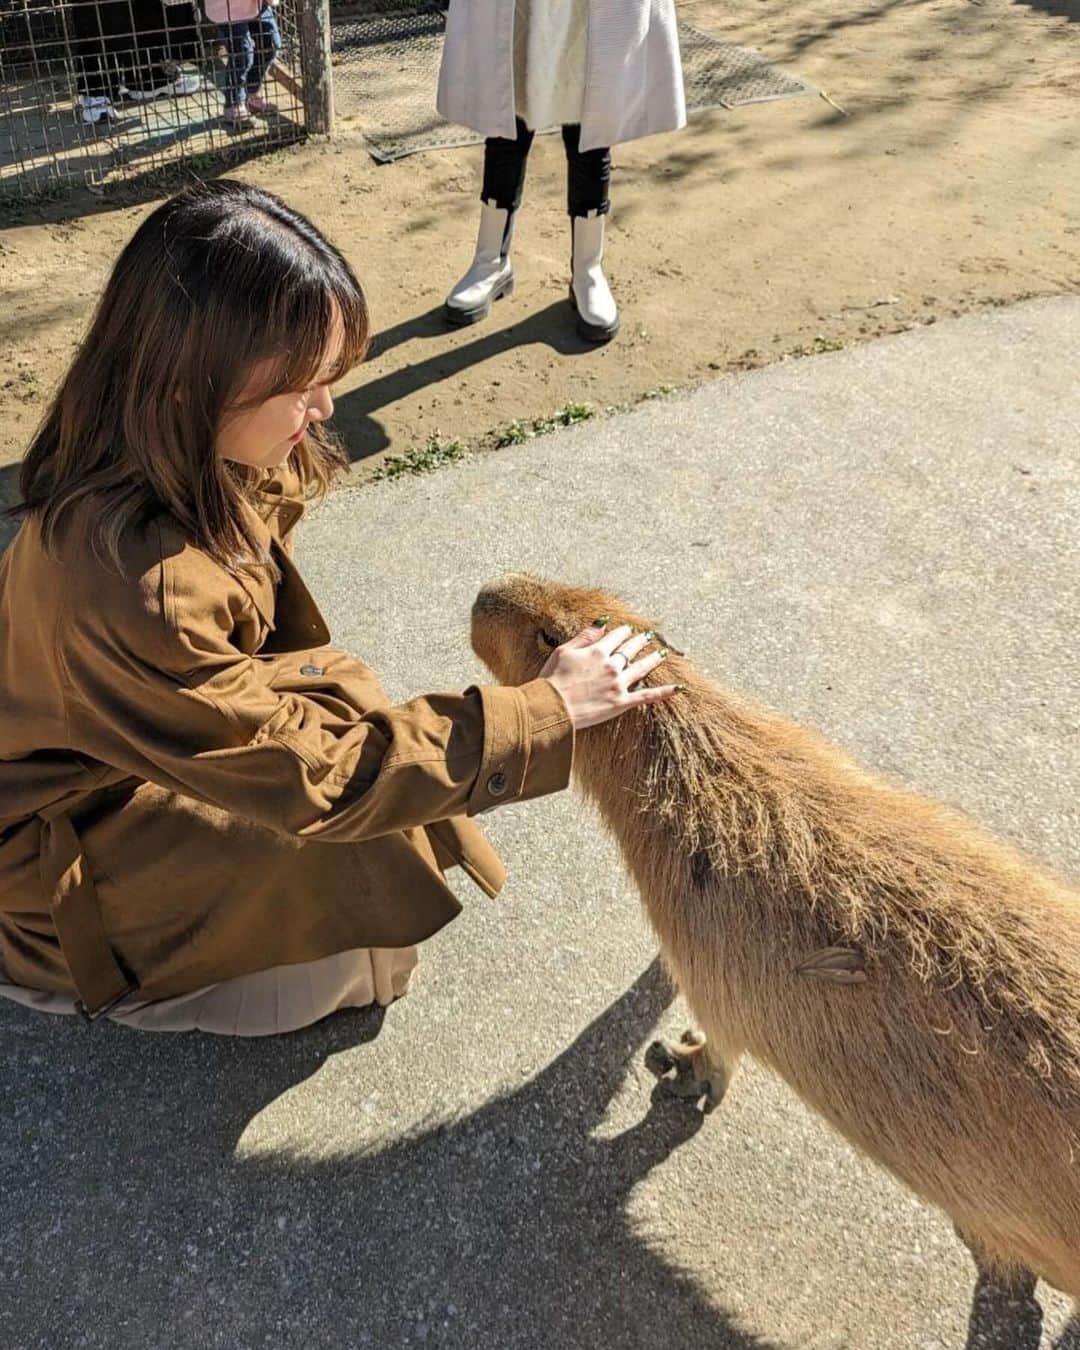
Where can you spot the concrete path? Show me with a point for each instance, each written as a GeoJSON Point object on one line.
{"type": "Point", "coordinates": [882, 542]}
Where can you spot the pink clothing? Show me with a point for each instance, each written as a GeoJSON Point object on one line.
{"type": "Point", "coordinates": [232, 11]}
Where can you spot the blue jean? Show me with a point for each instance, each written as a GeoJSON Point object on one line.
{"type": "Point", "coordinates": [252, 46]}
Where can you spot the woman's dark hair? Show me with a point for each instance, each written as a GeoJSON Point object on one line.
{"type": "Point", "coordinates": [220, 282]}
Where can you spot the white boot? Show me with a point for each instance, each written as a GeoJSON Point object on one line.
{"type": "Point", "coordinates": [94, 107]}
{"type": "Point", "coordinates": [594, 305]}
{"type": "Point", "coordinates": [491, 276]}
{"type": "Point", "coordinates": [175, 81]}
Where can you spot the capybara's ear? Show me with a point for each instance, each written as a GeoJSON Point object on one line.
{"type": "Point", "coordinates": [659, 637]}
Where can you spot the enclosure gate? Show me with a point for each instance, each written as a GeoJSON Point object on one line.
{"type": "Point", "coordinates": [95, 91]}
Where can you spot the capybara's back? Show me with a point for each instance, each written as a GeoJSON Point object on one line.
{"type": "Point", "coordinates": [914, 980]}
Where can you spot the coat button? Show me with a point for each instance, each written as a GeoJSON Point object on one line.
{"type": "Point", "coordinates": [311, 670]}
{"type": "Point", "coordinates": [496, 784]}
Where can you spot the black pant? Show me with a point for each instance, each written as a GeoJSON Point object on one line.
{"type": "Point", "coordinates": [588, 175]}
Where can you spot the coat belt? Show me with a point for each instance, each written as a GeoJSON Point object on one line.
{"type": "Point", "coordinates": [99, 978]}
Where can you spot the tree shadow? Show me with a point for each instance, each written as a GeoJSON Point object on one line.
{"type": "Point", "coordinates": [841, 50]}
{"type": "Point", "coordinates": [354, 417]}
{"type": "Point", "coordinates": [505, 1228]}
{"type": "Point", "coordinates": [137, 187]}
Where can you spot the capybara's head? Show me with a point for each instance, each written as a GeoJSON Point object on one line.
{"type": "Point", "coordinates": [518, 619]}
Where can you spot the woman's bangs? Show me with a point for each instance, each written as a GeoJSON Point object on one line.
{"type": "Point", "coordinates": [351, 313]}
{"type": "Point", "coordinates": [294, 350]}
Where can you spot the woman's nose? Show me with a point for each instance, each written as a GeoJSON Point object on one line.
{"type": "Point", "coordinates": [321, 405]}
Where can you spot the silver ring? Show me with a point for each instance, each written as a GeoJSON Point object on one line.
{"type": "Point", "coordinates": [624, 657]}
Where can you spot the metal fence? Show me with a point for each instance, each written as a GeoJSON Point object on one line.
{"type": "Point", "coordinates": [92, 91]}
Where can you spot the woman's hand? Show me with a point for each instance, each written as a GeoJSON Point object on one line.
{"type": "Point", "coordinates": [595, 673]}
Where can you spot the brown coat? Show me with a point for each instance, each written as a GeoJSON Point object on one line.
{"type": "Point", "coordinates": [193, 786]}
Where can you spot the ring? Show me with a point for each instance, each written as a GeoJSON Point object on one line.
{"type": "Point", "coordinates": [625, 658]}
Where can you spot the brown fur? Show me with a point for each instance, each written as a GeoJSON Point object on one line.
{"type": "Point", "coordinates": [914, 980]}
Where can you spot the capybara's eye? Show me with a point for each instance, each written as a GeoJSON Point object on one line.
{"type": "Point", "coordinates": [548, 639]}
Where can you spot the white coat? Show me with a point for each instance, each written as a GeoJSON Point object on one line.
{"type": "Point", "coordinates": [633, 83]}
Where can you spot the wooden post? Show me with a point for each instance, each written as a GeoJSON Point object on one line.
{"type": "Point", "coordinates": [313, 23]}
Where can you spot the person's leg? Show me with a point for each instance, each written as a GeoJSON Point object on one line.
{"type": "Point", "coordinates": [491, 275]}
{"type": "Point", "coordinates": [266, 1003]}
{"type": "Point", "coordinates": [588, 176]}
{"type": "Point", "coordinates": [273, 1002]}
{"type": "Point", "coordinates": [267, 39]}
{"type": "Point", "coordinates": [588, 180]}
{"type": "Point", "coordinates": [505, 162]}
{"type": "Point", "coordinates": [240, 49]}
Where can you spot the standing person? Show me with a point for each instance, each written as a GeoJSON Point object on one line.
{"type": "Point", "coordinates": [606, 71]}
{"type": "Point", "coordinates": [249, 31]}
{"type": "Point", "coordinates": [208, 817]}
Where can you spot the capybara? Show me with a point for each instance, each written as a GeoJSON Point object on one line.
{"type": "Point", "coordinates": [914, 980]}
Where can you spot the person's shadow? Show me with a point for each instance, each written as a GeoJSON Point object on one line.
{"type": "Point", "coordinates": [355, 420]}
{"type": "Point", "coordinates": [129, 1219]}
{"type": "Point", "coordinates": [354, 417]}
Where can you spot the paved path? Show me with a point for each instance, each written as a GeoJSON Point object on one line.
{"type": "Point", "coordinates": [882, 542]}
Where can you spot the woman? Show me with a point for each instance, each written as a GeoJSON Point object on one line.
{"type": "Point", "coordinates": [606, 71]}
{"type": "Point", "coordinates": [208, 817]}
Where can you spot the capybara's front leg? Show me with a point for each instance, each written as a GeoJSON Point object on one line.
{"type": "Point", "coordinates": [1005, 1314]}
{"type": "Point", "coordinates": [691, 1068]}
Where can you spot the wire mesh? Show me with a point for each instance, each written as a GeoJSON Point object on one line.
{"type": "Point", "coordinates": [386, 70]}
{"type": "Point", "coordinates": [92, 91]}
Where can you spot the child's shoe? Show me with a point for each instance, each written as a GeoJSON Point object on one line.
{"type": "Point", "coordinates": [178, 83]}
{"type": "Point", "coordinates": [261, 107]}
{"type": "Point", "coordinates": [236, 116]}
{"type": "Point", "coordinates": [94, 107]}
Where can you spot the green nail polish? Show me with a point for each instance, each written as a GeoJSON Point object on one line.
{"type": "Point", "coordinates": [648, 635]}
{"type": "Point", "coordinates": [602, 621]}
{"type": "Point", "coordinates": [662, 651]}
{"type": "Point", "coordinates": [681, 688]}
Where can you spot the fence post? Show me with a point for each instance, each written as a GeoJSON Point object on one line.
{"type": "Point", "coordinates": [318, 80]}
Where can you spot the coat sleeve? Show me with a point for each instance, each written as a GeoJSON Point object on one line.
{"type": "Point", "coordinates": [155, 687]}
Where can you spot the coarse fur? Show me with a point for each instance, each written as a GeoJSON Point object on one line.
{"type": "Point", "coordinates": [914, 980]}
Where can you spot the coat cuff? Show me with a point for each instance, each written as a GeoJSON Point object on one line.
{"type": "Point", "coordinates": [528, 744]}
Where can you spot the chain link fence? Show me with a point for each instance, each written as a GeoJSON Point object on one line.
{"type": "Point", "coordinates": [92, 91]}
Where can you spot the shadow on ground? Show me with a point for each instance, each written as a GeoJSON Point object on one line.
{"type": "Point", "coordinates": [127, 1209]}
{"type": "Point", "coordinates": [354, 417]}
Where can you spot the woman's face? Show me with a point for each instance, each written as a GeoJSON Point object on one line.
{"type": "Point", "coordinates": [263, 436]}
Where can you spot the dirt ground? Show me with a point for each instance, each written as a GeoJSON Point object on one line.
{"type": "Point", "coordinates": [944, 179]}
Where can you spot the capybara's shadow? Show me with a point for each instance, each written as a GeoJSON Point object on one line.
{"type": "Point", "coordinates": [130, 1219]}
{"type": "Point", "coordinates": [1003, 1319]}
{"type": "Point", "coordinates": [999, 1322]}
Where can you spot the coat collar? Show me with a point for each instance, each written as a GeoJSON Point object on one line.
{"type": "Point", "coordinates": [288, 608]}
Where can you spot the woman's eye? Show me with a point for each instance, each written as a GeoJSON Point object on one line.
{"type": "Point", "coordinates": [548, 639]}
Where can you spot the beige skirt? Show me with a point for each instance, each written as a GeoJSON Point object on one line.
{"type": "Point", "coordinates": [265, 1003]}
